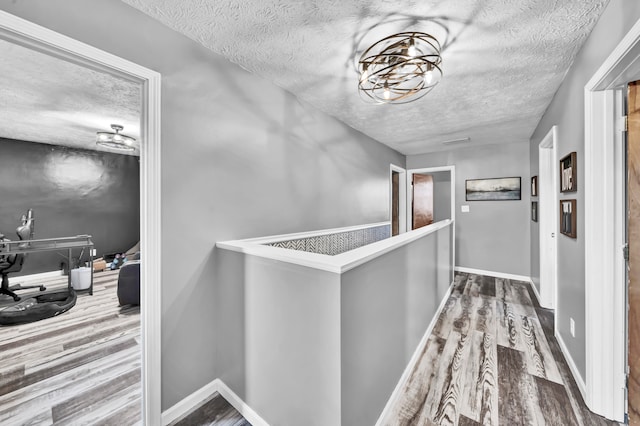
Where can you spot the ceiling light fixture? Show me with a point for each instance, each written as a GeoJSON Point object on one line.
{"type": "Point", "coordinates": [400, 68]}
{"type": "Point", "coordinates": [115, 140]}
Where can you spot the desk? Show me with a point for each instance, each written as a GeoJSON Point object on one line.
{"type": "Point", "coordinates": [52, 244]}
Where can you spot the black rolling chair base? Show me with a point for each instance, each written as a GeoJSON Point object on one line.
{"type": "Point", "coordinates": [8, 292]}
{"type": "Point", "coordinates": [25, 287]}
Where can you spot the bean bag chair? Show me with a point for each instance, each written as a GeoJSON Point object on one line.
{"type": "Point", "coordinates": [38, 307]}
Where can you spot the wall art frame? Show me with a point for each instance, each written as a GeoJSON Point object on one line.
{"type": "Point", "coordinates": [569, 173]}
{"type": "Point", "coordinates": [493, 189]}
{"type": "Point", "coordinates": [568, 215]}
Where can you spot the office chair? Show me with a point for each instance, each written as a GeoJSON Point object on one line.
{"type": "Point", "coordinates": [13, 262]}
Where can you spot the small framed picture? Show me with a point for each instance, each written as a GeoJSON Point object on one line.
{"type": "Point", "coordinates": [534, 211]}
{"type": "Point", "coordinates": [568, 216]}
{"type": "Point", "coordinates": [534, 186]}
{"type": "Point", "coordinates": [568, 173]}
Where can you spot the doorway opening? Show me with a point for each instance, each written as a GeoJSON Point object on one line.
{"type": "Point", "coordinates": [22, 32]}
{"type": "Point", "coordinates": [444, 195]}
{"type": "Point", "coordinates": [398, 199]}
{"type": "Point", "coordinates": [604, 385]}
{"type": "Point", "coordinates": [548, 213]}
{"type": "Point", "coordinates": [421, 200]}
{"type": "Point", "coordinates": [632, 253]}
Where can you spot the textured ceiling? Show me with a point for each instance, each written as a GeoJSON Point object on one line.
{"type": "Point", "coordinates": [49, 100]}
{"type": "Point", "coordinates": [502, 60]}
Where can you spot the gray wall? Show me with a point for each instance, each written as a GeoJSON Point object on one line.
{"type": "Point", "coordinates": [567, 111]}
{"type": "Point", "coordinates": [386, 306]}
{"type": "Point", "coordinates": [441, 195]}
{"type": "Point", "coordinates": [292, 343]}
{"type": "Point", "coordinates": [71, 192]}
{"type": "Point", "coordinates": [494, 235]}
{"type": "Point", "coordinates": [240, 158]}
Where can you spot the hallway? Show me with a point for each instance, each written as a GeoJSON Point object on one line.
{"type": "Point", "coordinates": [491, 359]}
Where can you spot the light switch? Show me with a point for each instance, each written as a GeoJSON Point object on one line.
{"type": "Point", "coordinates": [464, 209]}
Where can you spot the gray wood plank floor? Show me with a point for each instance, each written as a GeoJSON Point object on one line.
{"type": "Point", "coordinates": [216, 411]}
{"type": "Point", "coordinates": [79, 368]}
{"type": "Point", "coordinates": [491, 359]}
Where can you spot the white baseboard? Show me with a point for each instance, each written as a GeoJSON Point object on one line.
{"type": "Point", "coordinates": [572, 366]}
{"type": "Point", "coordinates": [535, 291]}
{"type": "Point", "coordinates": [242, 407]}
{"type": "Point", "coordinates": [493, 274]}
{"type": "Point", "coordinates": [189, 403]}
{"type": "Point", "coordinates": [192, 401]}
{"type": "Point", "coordinates": [34, 277]}
{"type": "Point", "coordinates": [414, 358]}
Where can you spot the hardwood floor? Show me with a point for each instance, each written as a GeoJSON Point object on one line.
{"type": "Point", "coordinates": [79, 368]}
{"type": "Point", "coordinates": [214, 412]}
{"type": "Point", "coordinates": [491, 359]}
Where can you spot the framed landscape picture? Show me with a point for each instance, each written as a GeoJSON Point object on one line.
{"type": "Point", "coordinates": [568, 173]}
{"type": "Point", "coordinates": [568, 216]}
{"type": "Point", "coordinates": [534, 186]}
{"type": "Point", "coordinates": [534, 211]}
{"type": "Point", "coordinates": [494, 189]}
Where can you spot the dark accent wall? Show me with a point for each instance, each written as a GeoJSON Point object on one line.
{"type": "Point", "coordinates": [72, 192]}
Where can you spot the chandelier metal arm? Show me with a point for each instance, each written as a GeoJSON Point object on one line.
{"type": "Point", "coordinates": [400, 68]}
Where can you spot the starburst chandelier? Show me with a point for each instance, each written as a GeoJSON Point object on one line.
{"type": "Point", "coordinates": [400, 68]}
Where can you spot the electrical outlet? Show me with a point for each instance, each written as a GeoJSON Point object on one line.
{"type": "Point", "coordinates": [572, 326]}
{"type": "Point", "coordinates": [93, 252]}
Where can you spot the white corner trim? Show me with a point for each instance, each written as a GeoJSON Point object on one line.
{"type": "Point", "coordinates": [414, 358]}
{"type": "Point", "coordinates": [572, 365]}
{"type": "Point", "coordinates": [189, 403]}
{"type": "Point", "coordinates": [185, 406]}
{"type": "Point", "coordinates": [242, 407]}
{"type": "Point", "coordinates": [34, 277]}
{"type": "Point", "coordinates": [493, 274]}
{"type": "Point", "coordinates": [535, 291]}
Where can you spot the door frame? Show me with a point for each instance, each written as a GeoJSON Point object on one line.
{"type": "Point", "coordinates": [26, 33]}
{"type": "Point", "coordinates": [548, 216]}
{"type": "Point", "coordinates": [605, 306]}
{"type": "Point", "coordinates": [409, 198]}
{"type": "Point", "coordinates": [402, 197]}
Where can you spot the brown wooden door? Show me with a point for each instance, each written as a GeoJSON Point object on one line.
{"type": "Point", "coordinates": [422, 205]}
{"type": "Point", "coordinates": [395, 203]}
{"type": "Point", "coordinates": [633, 237]}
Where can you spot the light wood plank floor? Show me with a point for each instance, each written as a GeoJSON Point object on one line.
{"type": "Point", "coordinates": [491, 359]}
{"type": "Point", "coordinates": [79, 368]}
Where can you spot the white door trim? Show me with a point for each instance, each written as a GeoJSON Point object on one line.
{"type": "Point", "coordinates": [548, 217]}
{"type": "Point", "coordinates": [402, 198]}
{"type": "Point", "coordinates": [605, 308]}
{"type": "Point", "coordinates": [409, 198]}
{"type": "Point", "coordinates": [23, 32]}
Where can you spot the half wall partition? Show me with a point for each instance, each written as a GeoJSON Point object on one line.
{"type": "Point", "coordinates": [326, 338]}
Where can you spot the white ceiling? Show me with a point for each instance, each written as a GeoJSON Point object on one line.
{"type": "Point", "coordinates": [503, 60]}
{"type": "Point", "coordinates": [49, 100]}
